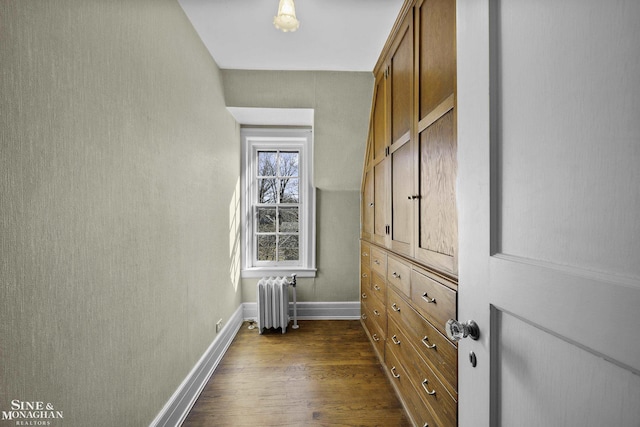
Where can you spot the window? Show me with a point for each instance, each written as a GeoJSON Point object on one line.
{"type": "Point", "coordinates": [279, 231]}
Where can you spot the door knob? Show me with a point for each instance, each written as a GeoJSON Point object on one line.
{"type": "Point", "coordinates": [456, 330]}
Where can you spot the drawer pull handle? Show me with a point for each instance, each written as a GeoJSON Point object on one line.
{"type": "Point", "coordinates": [365, 254]}
{"type": "Point", "coordinates": [364, 296]}
{"type": "Point", "coordinates": [426, 425]}
{"type": "Point", "coordinates": [375, 261]}
{"type": "Point", "coordinates": [424, 386]}
{"type": "Point", "coordinates": [395, 275]}
{"type": "Point", "coordinates": [424, 341]}
{"type": "Point", "coordinates": [376, 312]}
{"type": "Point", "coordinates": [395, 340]}
{"type": "Point", "coordinates": [375, 337]}
{"type": "Point", "coordinates": [376, 287]}
{"type": "Point", "coordinates": [393, 372]}
{"type": "Point", "coordinates": [394, 307]}
{"type": "Point", "coordinates": [364, 275]}
{"type": "Point", "coordinates": [427, 299]}
{"type": "Point", "coordinates": [364, 316]}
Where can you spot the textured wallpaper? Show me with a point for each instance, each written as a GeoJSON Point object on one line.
{"type": "Point", "coordinates": [119, 167]}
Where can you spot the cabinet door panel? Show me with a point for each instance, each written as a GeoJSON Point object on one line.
{"type": "Point", "coordinates": [379, 115]}
{"type": "Point", "coordinates": [401, 72]}
{"type": "Point", "coordinates": [368, 206]}
{"type": "Point", "coordinates": [438, 220]}
{"type": "Point", "coordinates": [437, 50]}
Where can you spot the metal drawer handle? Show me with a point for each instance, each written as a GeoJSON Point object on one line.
{"type": "Point", "coordinates": [394, 307]}
{"type": "Point", "coordinates": [375, 337]}
{"type": "Point", "coordinates": [364, 275]}
{"type": "Point", "coordinates": [376, 312]}
{"type": "Point", "coordinates": [376, 287]}
{"type": "Point", "coordinates": [427, 299]}
{"type": "Point", "coordinates": [364, 296]}
{"type": "Point", "coordinates": [375, 261]}
{"type": "Point", "coordinates": [395, 275]}
{"type": "Point", "coordinates": [395, 340]}
{"type": "Point", "coordinates": [424, 386]}
{"type": "Point", "coordinates": [365, 254]}
{"type": "Point", "coordinates": [393, 372]}
{"type": "Point", "coordinates": [364, 316]}
{"type": "Point", "coordinates": [424, 341]}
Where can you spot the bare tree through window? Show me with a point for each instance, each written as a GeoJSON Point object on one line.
{"type": "Point", "coordinates": [277, 212]}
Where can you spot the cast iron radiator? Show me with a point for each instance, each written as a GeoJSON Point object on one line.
{"type": "Point", "coordinates": [273, 303]}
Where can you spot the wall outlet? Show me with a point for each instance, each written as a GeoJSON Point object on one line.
{"type": "Point", "coordinates": [218, 325]}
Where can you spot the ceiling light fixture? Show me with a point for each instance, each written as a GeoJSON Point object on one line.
{"type": "Point", "coordinates": [286, 19]}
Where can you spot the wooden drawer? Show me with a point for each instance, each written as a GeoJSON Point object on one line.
{"type": "Point", "coordinates": [434, 300]}
{"type": "Point", "coordinates": [429, 387]}
{"type": "Point", "coordinates": [365, 278]}
{"type": "Point", "coordinates": [379, 261]}
{"type": "Point", "coordinates": [379, 288]}
{"type": "Point", "coordinates": [418, 411]}
{"type": "Point", "coordinates": [399, 275]}
{"type": "Point", "coordinates": [378, 314]}
{"type": "Point", "coordinates": [365, 294]}
{"type": "Point", "coordinates": [377, 336]}
{"type": "Point", "coordinates": [434, 347]}
{"type": "Point", "coordinates": [365, 254]}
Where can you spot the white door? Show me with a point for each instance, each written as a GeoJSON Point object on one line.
{"type": "Point", "coordinates": [549, 199]}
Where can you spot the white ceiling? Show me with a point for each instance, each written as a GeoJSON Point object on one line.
{"type": "Point", "coordinates": [339, 35]}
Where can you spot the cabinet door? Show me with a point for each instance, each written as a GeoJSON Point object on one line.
{"type": "Point", "coordinates": [437, 222]}
{"type": "Point", "coordinates": [401, 152]}
{"type": "Point", "coordinates": [380, 202]}
{"type": "Point", "coordinates": [368, 206]}
{"type": "Point", "coordinates": [380, 117]}
{"type": "Point", "coordinates": [402, 202]}
{"type": "Point", "coordinates": [401, 85]}
{"type": "Point", "coordinates": [437, 232]}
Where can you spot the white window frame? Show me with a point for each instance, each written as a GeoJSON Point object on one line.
{"type": "Point", "coordinates": [259, 139]}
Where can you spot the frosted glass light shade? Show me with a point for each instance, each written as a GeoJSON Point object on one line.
{"type": "Point", "coordinates": [286, 19]}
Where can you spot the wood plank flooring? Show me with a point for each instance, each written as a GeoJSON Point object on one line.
{"type": "Point", "coordinates": [323, 374]}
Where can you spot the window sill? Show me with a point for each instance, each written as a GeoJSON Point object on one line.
{"type": "Point", "coordinates": [277, 271]}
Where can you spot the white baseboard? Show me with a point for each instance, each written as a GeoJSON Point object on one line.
{"type": "Point", "coordinates": [338, 310]}
{"type": "Point", "coordinates": [175, 411]}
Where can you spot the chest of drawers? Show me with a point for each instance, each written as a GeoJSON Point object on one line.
{"type": "Point", "coordinates": [404, 313]}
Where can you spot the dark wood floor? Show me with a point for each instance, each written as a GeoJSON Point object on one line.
{"type": "Point", "coordinates": [323, 374]}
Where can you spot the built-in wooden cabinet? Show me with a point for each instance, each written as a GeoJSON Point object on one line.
{"type": "Point", "coordinates": [409, 245]}
{"type": "Point", "coordinates": [404, 309]}
{"type": "Point", "coordinates": [409, 205]}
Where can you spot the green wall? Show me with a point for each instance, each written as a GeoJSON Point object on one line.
{"type": "Point", "coordinates": [119, 167]}
{"type": "Point", "coordinates": [341, 103]}
{"type": "Point", "coordinates": [119, 195]}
